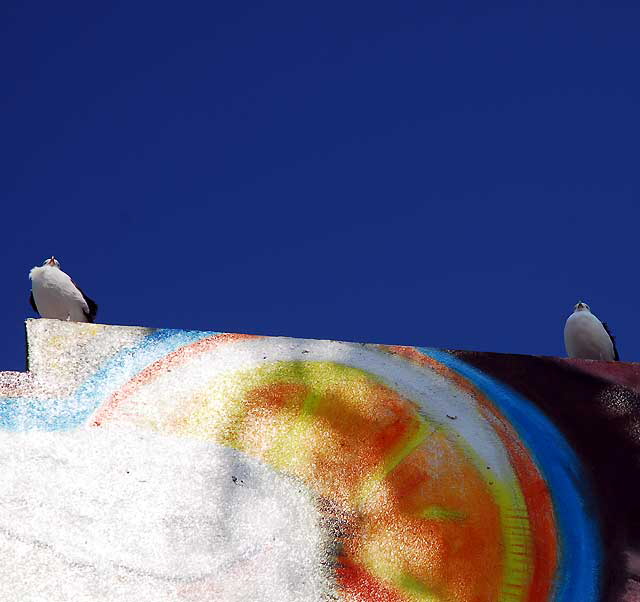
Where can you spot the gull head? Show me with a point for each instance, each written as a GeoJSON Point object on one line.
{"type": "Point", "coordinates": [51, 262]}
{"type": "Point", "coordinates": [580, 306]}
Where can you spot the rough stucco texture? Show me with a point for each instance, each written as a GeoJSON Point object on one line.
{"type": "Point", "coordinates": [143, 464]}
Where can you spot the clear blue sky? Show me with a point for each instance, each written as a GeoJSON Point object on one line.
{"type": "Point", "coordinates": [429, 173]}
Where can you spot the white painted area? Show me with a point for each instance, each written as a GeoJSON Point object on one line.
{"type": "Point", "coordinates": [118, 515]}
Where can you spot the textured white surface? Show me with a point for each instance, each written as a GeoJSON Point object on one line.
{"type": "Point", "coordinates": [63, 354]}
{"type": "Point", "coordinates": [117, 514]}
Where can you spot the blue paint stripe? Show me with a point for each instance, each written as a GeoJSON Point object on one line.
{"type": "Point", "coordinates": [580, 554]}
{"type": "Point", "coordinates": [29, 413]}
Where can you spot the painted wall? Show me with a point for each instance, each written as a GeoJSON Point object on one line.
{"type": "Point", "coordinates": [144, 464]}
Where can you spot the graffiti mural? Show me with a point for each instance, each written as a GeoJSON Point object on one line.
{"type": "Point", "coordinates": [180, 465]}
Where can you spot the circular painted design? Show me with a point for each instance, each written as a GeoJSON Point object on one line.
{"type": "Point", "coordinates": [436, 496]}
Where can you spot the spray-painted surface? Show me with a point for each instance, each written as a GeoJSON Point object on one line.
{"type": "Point", "coordinates": [144, 464]}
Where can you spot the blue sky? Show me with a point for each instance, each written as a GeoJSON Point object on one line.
{"type": "Point", "coordinates": [416, 173]}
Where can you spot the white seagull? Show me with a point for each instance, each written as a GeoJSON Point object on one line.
{"type": "Point", "coordinates": [586, 337]}
{"type": "Point", "coordinates": [55, 295]}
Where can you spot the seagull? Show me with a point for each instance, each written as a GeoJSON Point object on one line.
{"type": "Point", "coordinates": [55, 295]}
{"type": "Point", "coordinates": [586, 337]}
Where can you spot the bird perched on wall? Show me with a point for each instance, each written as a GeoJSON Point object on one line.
{"type": "Point", "coordinates": [55, 295]}
{"type": "Point", "coordinates": [587, 337]}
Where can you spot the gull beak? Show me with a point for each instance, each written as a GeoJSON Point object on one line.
{"type": "Point", "coordinates": [52, 261]}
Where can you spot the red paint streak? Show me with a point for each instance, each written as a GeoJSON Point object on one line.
{"type": "Point", "coordinates": [534, 488]}
{"type": "Point", "coordinates": [395, 432]}
{"type": "Point", "coordinates": [625, 374]}
{"type": "Point", "coordinates": [168, 362]}
{"type": "Point", "coordinates": [277, 395]}
{"type": "Point", "coordinates": [359, 584]}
